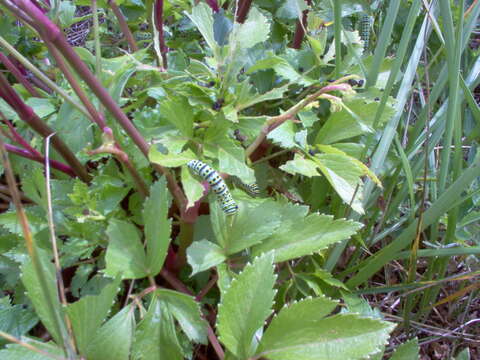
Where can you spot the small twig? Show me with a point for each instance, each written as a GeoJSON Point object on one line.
{"type": "Point", "coordinates": [207, 287]}
{"type": "Point", "coordinates": [110, 147]}
{"type": "Point", "coordinates": [29, 346]}
{"type": "Point", "coordinates": [53, 239]}
{"type": "Point", "coordinates": [275, 121]}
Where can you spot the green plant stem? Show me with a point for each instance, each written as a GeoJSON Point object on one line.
{"type": "Point", "coordinates": [41, 76]}
{"type": "Point", "coordinates": [96, 35]}
{"type": "Point", "coordinates": [383, 42]}
{"type": "Point", "coordinates": [337, 24]}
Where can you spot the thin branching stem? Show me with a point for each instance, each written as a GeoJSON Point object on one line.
{"type": "Point", "coordinates": [122, 22]}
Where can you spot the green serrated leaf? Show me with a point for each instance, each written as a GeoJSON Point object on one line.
{"type": "Point", "coordinates": [19, 352]}
{"type": "Point", "coordinates": [203, 255]}
{"type": "Point", "coordinates": [254, 222]}
{"type": "Point", "coordinates": [170, 159]}
{"type": "Point", "coordinates": [299, 236]}
{"type": "Point", "coordinates": [193, 189]}
{"type": "Point", "coordinates": [14, 319]}
{"type": "Point", "coordinates": [253, 31]}
{"type": "Point", "coordinates": [114, 339]}
{"type": "Point", "coordinates": [407, 351]}
{"type": "Point", "coordinates": [88, 313]}
{"type": "Point", "coordinates": [125, 252]}
{"type": "Point", "coordinates": [155, 337]}
{"type": "Point", "coordinates": [202, 17]}
{"type": "Point", "coordinates": [187, 312]}
{"type": "Point", "coordinates": [245, 306]}
{"type": "Point", "coordinates": [45, 300]}
{"type": "Point", "coordinates": [344, 174]}
{"type": "Point", "coordinates": [302, 166]}
{"type": "Point", "coordinates": [179, 113]}
{"type": "Point", "coordinates": [351, 122]}
{"type": "Point", "coordinates": [157, 226]}
{"type": "Point", "coordinates": [287, 338]}
{"type": "Point", "coordinates": [334, 150]}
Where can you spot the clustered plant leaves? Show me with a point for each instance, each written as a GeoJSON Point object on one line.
{"type": "Point", "coordinates": [115, 249]}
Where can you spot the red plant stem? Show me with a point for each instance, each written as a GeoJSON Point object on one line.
{"type": "Point", "coordinates": [213, 4]}
{"type": "Point", "coordinates": [15, 136]}
{"type": "Point", "coordinates": [300, 29]}
{"type": "Point", "coordinates": [50, 32]}
{"type": "Point", "coordinates": [123, 25]}
{"type": "Point", "coordinates": [243, 9]}
{"type": "Point", "coordinates": [40, 159]}
{"type": "Point", "coordinates": [95, 115]}
{"type": "Point", "coordinates": [27, 114]}
{"type": "Point", "coordinates": [18, 75]}
{"type": "Point", "coordinates": [159, 26]}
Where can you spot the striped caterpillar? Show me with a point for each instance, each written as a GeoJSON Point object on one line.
{"type": "Point", "coordinates": [365, 24]}
{"type": "Point", "coordinates": [206, 172]}
{"type": "Point", "coordinates": [251, 189]}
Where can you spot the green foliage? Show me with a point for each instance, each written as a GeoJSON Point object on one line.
{"type": "Point", "coordinates": [292, 100]}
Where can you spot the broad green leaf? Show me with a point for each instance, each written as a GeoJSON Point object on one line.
{"type": "Point", "coordinates": [343, 124]}
{"type": "Point", "coordinates": [19, 352]}
{"type": "Point", "coordinates": [282, 67]}
{"type": "Point", "coordinates": [222, 26]}
{"type": "Point", "coordinates": [187, 312]}
{"type": "Point", "coordinates": [231, 158]}
{"type": "Point", "coordinates": [245, 305]}
{"type": "Point", "coordinates": [157, 226]}
{"type": "Point", "coordinates": [155, 337]}
{"type": "Point", "coordinates": [202, 255]}
{"type": "Point", "coordinates": [114, 339]}
{"type": "Point", "coordinates": [336, 337]}
{"type": "Point", "coordinates": [125, 252]}
{"type": "Point", "coordinates": [45, 300]}
{"type": "Point", "coordinates": [302, 166]}
{"type": "Point", "coordinates": [202, 17]}
{"type": "Point", "coordinates": [291, 9]}
{"type": "Point", "coordinates": [179, 113]}
{"type": "Point", "coordinates": [299, 235]}
{"type": "Point", "coordinates": [407, 351]}
{"type": "Point", "coordinates": [193, 189]}
{"type": "Point", "coordinates": [254, 98]}
{"type": "Point", "coordinates": [41, 106]}
{"type": "Point", "coordinates": [254, 222]}
{"type": "Point", "coordinates": [170, 159]}
{"type": "Point", "coordinates": [253, 31]}
{"type": "Point", "coordinates": [88, 313]}
{"type": "Point", "coordinates": [344, 175]}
